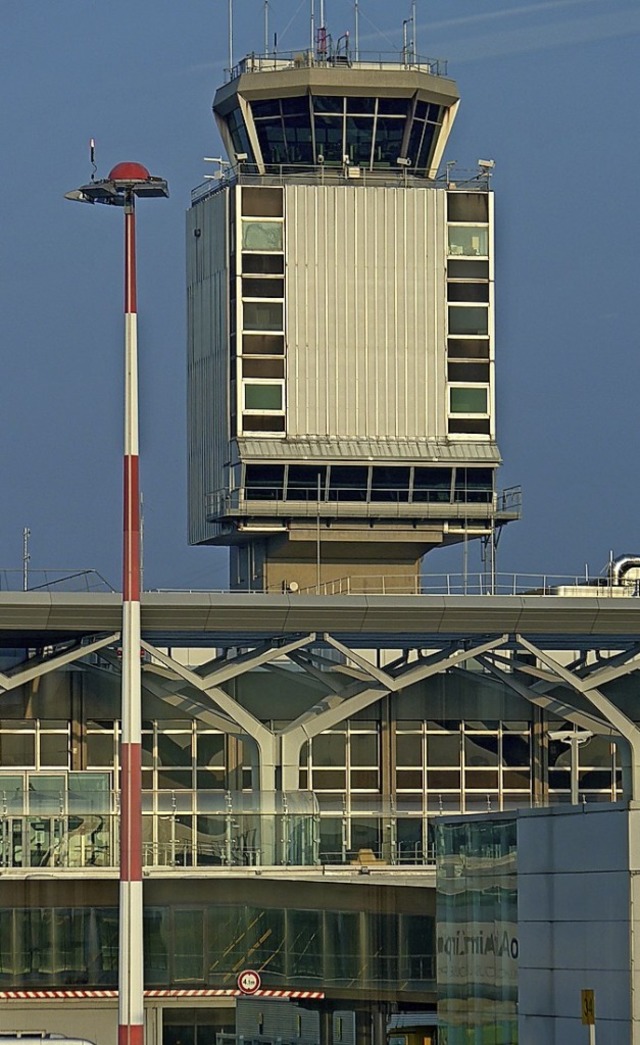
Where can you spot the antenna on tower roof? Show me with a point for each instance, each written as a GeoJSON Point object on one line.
{"type": "Point", "coordinates": [92, 158]}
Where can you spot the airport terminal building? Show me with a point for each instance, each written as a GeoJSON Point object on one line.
{"type": "Point", "coordinates": [306, 735]}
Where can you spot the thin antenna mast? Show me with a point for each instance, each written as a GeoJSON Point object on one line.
{"type": "Point", "coordinates": [266, 26]}
{"type": "Point", "coordinates": [323, 24]}
{"type": "Point", "coordinates": [414, 42]}
{"type": "Point", "coordinates": [230, 37]}
{"type": "Point", "coordinates": [26, 533]}
{"type": "Point", "coordinates": [357, 28]}
{"type": "Point", "coordinates": [312, 26]}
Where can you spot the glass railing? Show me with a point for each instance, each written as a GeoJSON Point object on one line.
{"type": "Point", "coordinates": [209, 829]}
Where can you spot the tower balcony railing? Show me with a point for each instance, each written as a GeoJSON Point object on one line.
{"type": "Point", "coordinates": [279, 61]}
{"type": "Point", "coordinates": [331, 173]}
{"type": "Point", "coordinates": [218, 831]}
{"type": "Point", "coordinates": [352, 501]}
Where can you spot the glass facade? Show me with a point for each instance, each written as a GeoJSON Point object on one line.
{"type": "Point", "coordinates": [368, 132]}
{"type": "Point", "coordinates": [204, 945]}
{"type": "Point", "coordinates": [477, 932]}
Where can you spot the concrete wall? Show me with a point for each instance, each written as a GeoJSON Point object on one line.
{"type": "Point", "coordinates": [366, 313]}
{"type": "Point", "coordinates": [575, 873]}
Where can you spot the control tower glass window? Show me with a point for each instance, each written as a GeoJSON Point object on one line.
{"type": "Point", "coordinates": [370, 132]}
{"type": "Point", "coordinates": [283, 127]}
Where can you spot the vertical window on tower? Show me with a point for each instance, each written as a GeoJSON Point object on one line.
{"type": "Point", "coordinates": [262, 286]}
{"type": "Point", "coordinates": [470, 324]}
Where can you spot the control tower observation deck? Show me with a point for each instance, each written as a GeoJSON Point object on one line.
{"type": "Point", "coordinates": [340, 327]}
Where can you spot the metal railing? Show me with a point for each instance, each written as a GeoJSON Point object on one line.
{"type": "Point", "coordinates": [54, 580]}
{"type": "Point", "coordinates": [349, 500]}
{"type": "Point", "coordinates": [278, 61]}
{"type": "Point", "coordinates": [247, 173]}
{"type": "Point", "coordinates": [476, 583]}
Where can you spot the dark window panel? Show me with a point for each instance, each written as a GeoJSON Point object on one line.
{"type": "Point", "coordinates": [328, 130]}
{"type": "Point", "coordinates": [425, 149]}
{"type": "Point", "coordinates": [348, 483]}
{"type": "Point", "coordinates": [468, 372]}
{"type": "Point", "coordinates": [295, 106]}
{"type": "Point", "coordinates": [390, 484]}
{"type": "Point", "coordinates": [359, 139]}
{"type": "Point", "coordinates": [462, 268]}
{"type": "Point", "coordinates": [271, 107]}
{"type": "Point", "coordinates": [252, 367]}
{"type": "Point", "coordinates": [468, 291]}
{"type": "Point", "coordinates": [328, 104]}
{"type": "Point", "coordinates": [262, 288]}
{"type": "Point", "coordinates": [299, 140]}
{"type": "Point", "coordinates": [432, 484]}
{"type": "Point", "coordinates": [263, 344]}
{"type": "Point", "coordinates": [388, 142]}
{"type": "Point", "coordinates": [263, 264]}
{"type": "Point", "coordinates": [361, 105]}
{"type": "Point", "coordinates": [468, 426]}
{"type": "Point", "coordinates": [302, 484]}
{"type": "Point", "coordinates": [468, 206]}
{"type": "Point", "coordinates": [264, 482]}
{"type": "Point", "coordinates": [259, 423]}
{"type": "Point", "coordinates": [262, 202]}
{"type": "Point", "coordinates": [393, 106]}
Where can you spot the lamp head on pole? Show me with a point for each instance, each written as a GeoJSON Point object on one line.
{"type": "Point", "coordinates": [124, 181]}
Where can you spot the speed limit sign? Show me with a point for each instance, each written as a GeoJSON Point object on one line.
{"type": "Point", "coordinates": [249, 981]}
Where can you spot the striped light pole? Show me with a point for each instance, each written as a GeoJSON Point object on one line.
{"type": "Point", "coordinates": [125, 182]}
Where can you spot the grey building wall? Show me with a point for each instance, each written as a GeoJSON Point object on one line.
{"type": "Point", "coordinates": [577, 874]}
{"type": "Point", "coordinates": [207, 355]}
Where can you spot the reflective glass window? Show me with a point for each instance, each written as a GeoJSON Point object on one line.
{"type": "Point", "coordinates": [348, 483]}
{"type": "Point", "coordinates": [262, 315]}
{"type": "Point", "coordinates": [468, 320]}
{"type": "Point", "coordinates": [329, 143]}
{"type": "Point", "coordinates": [468, 240]}
{"type": "Point", "coordinates": [298, 139]}
{"type": "Point", "coordinates": [263, 396]}
{"type": "Point", "coordinates": [425, 148]}
{"type": "Point", "coordinates": [329, 749]}
{"type": "Point", "coordinates": [408, 750]}
{"type": "Point", "coordinates": [389, 484]}
{"type": "Point", "coordinates": [393, 106]}
{"type": "Point", "coordinates": [262, 235]}
{"type": "Point", "coordinates": [359, 139]}
{"type": "Point", "coordinates": [388, 142]}
{"type": "Point", "coordinates": [17, 749]}
{"type": "Point", "coordinates": [468, 400]}
{"type": "Point", "coordinates": [54, 749]}
{"type": "Point", "coordinates": [443, 750]}
{"type": "Point", "coordinates": [328, 104]}
{"type": "Point", "coordinates": [302, 483]}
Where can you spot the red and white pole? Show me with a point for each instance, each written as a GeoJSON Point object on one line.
{"type": "Point", "coordinates": [131, 963]}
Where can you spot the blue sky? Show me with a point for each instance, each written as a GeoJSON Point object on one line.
{"type": "Point", "coordinates": [550, 90]}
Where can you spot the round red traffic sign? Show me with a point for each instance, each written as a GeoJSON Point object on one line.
{"type": "Point", "coordinates": [249, 981]}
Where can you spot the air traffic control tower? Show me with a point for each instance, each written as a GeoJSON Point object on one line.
{"type": "Point", "coordinates": [341, 328]}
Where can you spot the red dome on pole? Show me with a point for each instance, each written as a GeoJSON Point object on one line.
{"type": "Point", "coordinates": [129, 171]}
